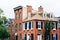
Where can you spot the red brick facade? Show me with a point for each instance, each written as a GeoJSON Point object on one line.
{"type": "Point", "coordinates": [19, 22]}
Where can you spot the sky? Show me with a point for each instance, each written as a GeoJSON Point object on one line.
{"type": "Point", "coordinates": [48, 5]}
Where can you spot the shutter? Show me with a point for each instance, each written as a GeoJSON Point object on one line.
{"type": "Point", "coordinates": [52, 36]}
{"type": "Point", "coordinates": [29, 25]}
{"type": "Point", "coordinates": [37, 24]}
{"type": "Point", "coordinates": [56, 25]}
{"type": "Point", "coordinates": [56, 37]}
{"type": "Point", "coordinates": [25, 25]}
{"type": "Point", "coordinates": [41, 25]}
{"type": "Point", "coordinates": [25, 37]}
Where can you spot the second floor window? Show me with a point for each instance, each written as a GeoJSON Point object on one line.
{"type": "Point", "coordinates": [28, 25]}
{"type": "Point", "coordinates": [38, 24]}
{"type": "Point", "coordinates": [54, 26]}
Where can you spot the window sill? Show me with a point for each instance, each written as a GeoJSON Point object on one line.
{"type": "Point", "coordinates": [39, 28]}
{"type": "Point", "coordinates": [54, 28]}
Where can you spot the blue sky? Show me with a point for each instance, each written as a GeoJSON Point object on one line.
{"type": "Point", "coordinates": [48, 5]}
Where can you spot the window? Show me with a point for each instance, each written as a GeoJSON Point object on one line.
{"type": "Point", "coordinates": [16, 27]}
{"type": "Point", "coordinates": [32, 36]}
{"type": "Point", "coordinates": [25, 37]}
{"type": "Point", "coordinates": [38, 24]}
{"type": "Point", "coordinates": [59, 21]}
{"type": "Point", "coordinates": [28, 37]}
{"type": "Point", "coordinates": [20, 36]}
{"type": "Point", "coordinates": [32, 25]}
{"type": "Point", "coordinates": [39, 37]}
{"type": "Point", "coordinates": [27, 25]}
{"type": "Point", "coordinates": [44, 15]}
{"type": "Point", "coordinates": [54, 37]}
{"type": "Point", "coordinates": [54, 25]}
{"type": "Point", "coordinates": [16, 16]}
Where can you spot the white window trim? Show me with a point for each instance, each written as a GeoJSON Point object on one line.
{"type": "Point", "coordinates": [54, 28]}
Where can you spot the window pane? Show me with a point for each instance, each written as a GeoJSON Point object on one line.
{"type": "Point", "coordinates": [16, 27]}
{"type": "Point", "coordinates": [32, 37]}
{"type": "Point", "coordinates": [54, 37]}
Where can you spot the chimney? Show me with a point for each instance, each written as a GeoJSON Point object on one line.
{"type": "Point", "coordinates": [29, 8]}
{"type": "Point", "coordinates": [29, 11]}
{"type": "Point", "coordinates": [40, 9]}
